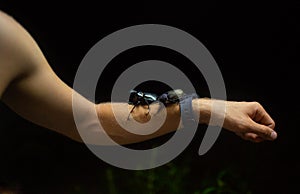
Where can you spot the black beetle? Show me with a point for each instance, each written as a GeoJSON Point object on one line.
{"type": "Point", "coordinates": [137, 98]}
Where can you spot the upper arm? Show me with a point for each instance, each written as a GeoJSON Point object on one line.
{"type": "Point", "coordinates": [24, 71]}
{"type": "Point", "coordinates": [19, 54]}
{"type": "Point", "coordinates": [8, 70]}
{"type": "Point", "coordinates": [28, 84]}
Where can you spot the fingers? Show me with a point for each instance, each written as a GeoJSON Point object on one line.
{"type": "Point", "coordinates": [261, 116]}
{"type": "Point", "coordinates": [250, 137]}
{"type": "Point", "coordinates": [253, 137]}
{"type": "Point", "coordinates": [250, 121]}
{"type": "Point", "coordinates": [258, 133]}
{"type": "Point", "coordinates": [263, 131]}
{"type": "Point", "coordinates": [261, 124]}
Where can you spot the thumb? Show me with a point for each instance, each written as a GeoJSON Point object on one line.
{"type": "Point", "coordinates": [263, 131]}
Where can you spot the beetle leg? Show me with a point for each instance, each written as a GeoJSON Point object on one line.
{"type": "Point", "coordinates": [148, 107]}
{"type": "Point", "coordinates": [131, 111]}
{"type": "Point", "coordinates": [132, 108]}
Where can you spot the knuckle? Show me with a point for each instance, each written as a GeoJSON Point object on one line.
{"type": "Point", "coordinates": [256, 104]}
{"type": "Point", "coordinates": [272, 125]}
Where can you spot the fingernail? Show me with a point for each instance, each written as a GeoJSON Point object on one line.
{"type": "Point", "coordinates": [273, 135]}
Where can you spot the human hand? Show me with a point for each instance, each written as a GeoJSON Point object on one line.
{"type": "Point", "coordinates": [249, 120]}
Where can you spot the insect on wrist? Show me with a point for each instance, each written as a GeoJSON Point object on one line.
{"type": "Point", "coordinates": [144, 99]}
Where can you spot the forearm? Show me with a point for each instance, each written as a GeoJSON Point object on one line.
{"type": "Point", "coordinates": [172, 122]}
{"type": "Point", "coordinates": [122, 136]}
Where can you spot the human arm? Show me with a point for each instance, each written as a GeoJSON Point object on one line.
{"type": "Point", "coordinates": [31, 88]}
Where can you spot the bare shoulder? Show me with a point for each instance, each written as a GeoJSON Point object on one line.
{"type": "Point", "coordinates": [19, 54]}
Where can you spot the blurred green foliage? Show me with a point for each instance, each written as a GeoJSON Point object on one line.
{"type": "Point", "coordinates": [174, 179]}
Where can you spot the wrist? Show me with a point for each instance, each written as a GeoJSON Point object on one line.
{"type": "Point", "coordinates": [202, 108]}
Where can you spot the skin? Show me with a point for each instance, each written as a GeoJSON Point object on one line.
{"type": "Point", "coordinates": [29, 86]}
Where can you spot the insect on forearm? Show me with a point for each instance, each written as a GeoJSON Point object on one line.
{"type": "Point", "coordinates": [137, 98]}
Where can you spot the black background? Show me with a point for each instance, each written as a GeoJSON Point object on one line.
{"type": "Point", "coordinates": [256, 46]}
